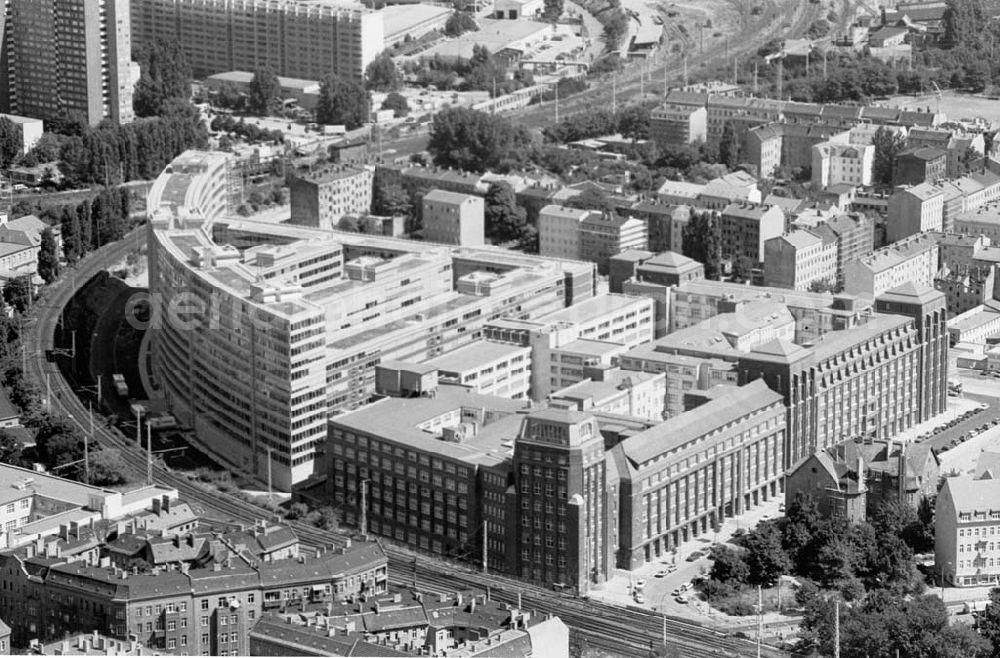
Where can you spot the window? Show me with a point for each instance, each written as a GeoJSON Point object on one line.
{"type": "Point", "coordinates": [184, 622]}
{"type": "Point", "coordinates": [171, 643]}
{"type": "Point", "coordinates": [250, 597]}
{"type": "Point", "coordinates": [204, 620]}
{"type": "Point", "coordinates": [204, 604]}
{"type": "Point", "coordinates": [184, 640]}
{"type": "Point", "coordinates": [222, 602]}
{"type": "Point", "coordinates": [171, 625]}
{"type": "Point", "coordinates": [204, 640]}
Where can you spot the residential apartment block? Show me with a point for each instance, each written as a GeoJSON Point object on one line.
{"type": "Point", "coordinates": [604, 236]}
{"type": "Point", "coordinates": [293, 38]}
{"type": "Point", "coordinates": [675, 125]}
{"type": "Point", "coordinates": [854, 234]}
{"type": "Point", "coordinates": [920, 165]}
{"type": "Point", "coordinates": [745, 228]}
{"type": "Point", "coordinates": [184, 610]}
{"type": "Point", "coordinates": [559, 231]}
{"type": "Point", "coordinates": [984, 221]}
{"type": "Point", "coordinates": [966, 520]}
{"type": "Point", "coordinates": [452, 218]}
{"type": "Point", "coordinates": [913, 260]}
{"type": "Point", "coordinates": [68, 56]}
{"type": "Point", "coordinates": [321, 198]}
{"type": "Point", "coordinates": [914, 209]}
{"type": "Point", "coordinates": [835, 164]}
{"type": "Point", "coordinates": [799, 259]}
{"type": "Point", "coordinates": [335, 305]}
{"type": "Point", "coordinates": [402, 622]}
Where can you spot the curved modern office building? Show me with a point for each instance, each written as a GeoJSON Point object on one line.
{"type": "Point", "coordinates": [262, 330]}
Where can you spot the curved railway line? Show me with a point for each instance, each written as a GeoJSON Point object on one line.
{"type": "Point", "coordinates": [620, 630]}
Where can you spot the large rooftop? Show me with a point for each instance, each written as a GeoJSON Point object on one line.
{"type": "Point", "coordinates": [691, 425]}
{"type": "Point", "coordinates": [399, 420]}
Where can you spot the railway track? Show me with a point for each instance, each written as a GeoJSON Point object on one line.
{"type": "Point", "coordinates": [600, 625]}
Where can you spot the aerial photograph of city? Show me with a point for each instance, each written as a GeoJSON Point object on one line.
{"type": "Point", "coordinates": [500, 328]}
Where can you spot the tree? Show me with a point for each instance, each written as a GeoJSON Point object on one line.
{"type": "Point", "coordinates": [505, 220]}
{"type": "Point", "coordinates": [17, 293]}
{"type": "Point", "coordinates": [702, 241]}
{"type": "Point", "coordinates": [48, 257]}
{"type": "Point", "coordinates": [765, 556]}
{"type": "Point", "coordinates": [823, 285]}
{"type": "Point", "coordinates": [348, 223]}
{"type": "Point", "coordinates": [459, 23]}
{"type": "Point", "coordinates": [729, 146]}
{"type": "Point", "coordinates": [107, 468]}
{"type": "Point", "coordinates": [472, 140]}
{"type": "Point", "coordinates": [390, 199]}
{"type": "Point", "coordinates": [57, 441]}
{"type": "Point", "coordinates": [11, 140]}
{"type": "Point", "coordinates": [888, 145]}
{"type": "Point", "coordinates": [728, 566]}
{"type": "Point", "coordinates": [592, 198]}
{"type": "Point", "coordinates": [553, 10]}
{"type": "Point", "coordinates": [962, 21]}
{"type": "Point", "coordinates": [11, 450]}
{"type": "Point", "coordinates": [396, 102]}
{"type": "Point", "coordinates": [165, 75]}
{"type": "Point", "coordinates": [382, 74]}
{"type": "Point", "coordinates": [743, 267]}
{"type": "Point", "coordinates": [264, 92]}
{"type": "Point", "coordinates": [989, 622]}
{"type": "Point", "coordinates": [615, 29]}
{"type": "Point", "coordinates": [633, 122]}
{"type": "Point", "coordinates": [342, 102]}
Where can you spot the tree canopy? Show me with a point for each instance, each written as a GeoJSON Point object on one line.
{"type": "Point", "coordinates": [396, 102]}
{"type": "Point", "coordinates": [505, 220]}
{"type": "Point", "coordinates": [48, 257]}
{"type": "Point", "coordinates": [264, 92]}
{"type": "Point", "coordinates": [888, 145]}
{"type": "Point", "coordinates": [165, 75]}
{"type": "Point", "coordinates": [472, 140]}
{"type": "Point", "coordinates": [702, 241]}
{"type": "Point", "coordinates": [459, 23]}
{"type": "Point", "coordinates": [553, 10]}
{"type": "Point", "coordinates": [343, 102]}
{"type": "Point", "coordinates": [382, 74]}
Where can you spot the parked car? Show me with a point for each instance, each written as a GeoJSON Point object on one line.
{"type": "Point", "coordinates": [695, 556]}
{"type": "Point", "coordinates": [639, 598]}
{"type": "Point", "coordinates": [677, 592]}
{"type": "Point", "coordinates": [661, 573]}
{"type": "Point", "coordinates": [639, 584]}
{"type": "Point", "coordinates": [681, 599]}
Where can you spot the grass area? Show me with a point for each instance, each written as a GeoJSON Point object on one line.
{"type": "Point", "coordinates": [743, 603]}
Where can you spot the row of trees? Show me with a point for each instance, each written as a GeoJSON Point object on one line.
{"type": "Point", "coordinates": [253, 133]}
{"type": "Point", "coordinates": [93, 223]}
{"type": "Point", "coordinates": [484, 71]}
{"type": "Point", "coordinates": [852, 558]}
{"type": "Point", "coordinates": [59, 442]}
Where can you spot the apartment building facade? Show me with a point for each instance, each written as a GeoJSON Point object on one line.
{"type": "Point", "coordinates": [798, 259]}
{"type": "Point", "coordinates": [452, 218]}
{"type": "Point", "coordinates": [69, 56]}
{"type": "Point", "coordinates": [914, 209]}
{"type": "Point", "coordinates": [559, 231]}
{"type": "Point", "coordinates": [966, 523]}
{"type": "Point", "coordinates": [745, 228]}
{"type": "Point", "coordinates": [604, 236]}
{"type": "Point", "coordinates": [320, 199]}
{"type": "Point", "coordinates": [293, 38]}
{"type": "Point", "coordinates": [836, 164]}
{"type": "Point", "coordinates": [914, 259]}
{"type": "Point", "coordinates": [183, 611]}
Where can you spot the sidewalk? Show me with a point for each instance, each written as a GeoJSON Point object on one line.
{"type": "Point", "coordinates": [658, 592]}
